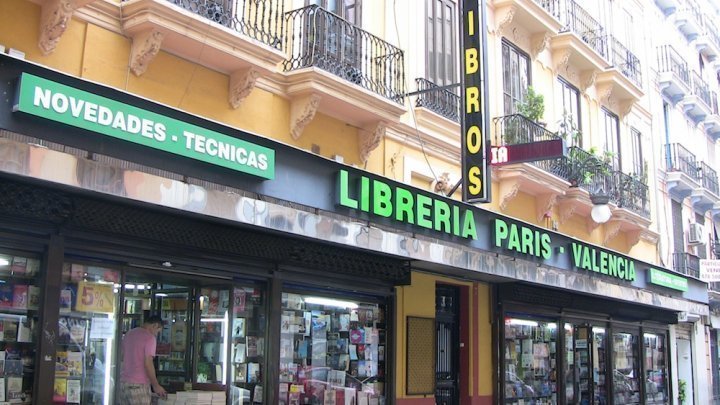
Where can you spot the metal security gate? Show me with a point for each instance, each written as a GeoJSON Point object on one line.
{"type": "Point", "coordinates": [447, 367]}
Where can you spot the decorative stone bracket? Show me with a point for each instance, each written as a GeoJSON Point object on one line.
{"type": "Point", "coordinates": [544, 203]}
{"type": "Point", "coordinates": [369, 138]}
{"type": "Point", "coordinates": [540, 42]}
{"type": "Point", "coordinates": [145, 46]}
{"type": "Point", "coordinates": [55, 16]}
{"type": "Point", "coordinates": [612, 228]}
{"type": "Point", "coordinates": [242, 83]}
{"type": "Point", "coordinates": [302, 111]}
{"type": "Point", "coordinates": [560, 61]}
{"type": "Point", "coordinates": [503, 17]}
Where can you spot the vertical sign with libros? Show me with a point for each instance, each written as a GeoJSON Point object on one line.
{"type": "Point", "coordinates": [476, 173]}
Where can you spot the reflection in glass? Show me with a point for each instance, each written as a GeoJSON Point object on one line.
{"type": "Point", "coordinates": [656, 389]}
{"type": "Point", "coordinates": [530, 361]}
{"type": "Point", "coordinates": [331, 351]}
{"type": "Point", "coordinates": [626, 387]}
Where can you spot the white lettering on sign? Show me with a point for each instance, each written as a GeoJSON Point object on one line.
{"type": "Point", "coordinates": [498, 155]}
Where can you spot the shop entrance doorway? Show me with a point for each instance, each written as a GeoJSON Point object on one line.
{"type": "Point", "coordinates": [447, 366]}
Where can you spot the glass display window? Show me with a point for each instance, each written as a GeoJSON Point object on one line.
{"type": "Point", "coordinates": [656, 373]}
{"type": "Point", "coordinates": [530, 360]}
{"type": "Point", "coordinates": [585, 365]}
{"type": "Point", "coordinates": [85, 349]}
{"type": "Point", "coordinates": [331, 351]}
{"type": "Point", "coordinates": [19, 304]}
{"type": "Point", "coordinates": [247, 337]}
{"type": "Point", "coordinates": [626, 381]}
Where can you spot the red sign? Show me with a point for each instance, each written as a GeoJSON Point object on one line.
{"type": "Point", "coordinates": [527, 152]}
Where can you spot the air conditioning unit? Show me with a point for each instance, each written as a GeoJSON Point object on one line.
{"type": "Point", "coordinates": [695, 234]}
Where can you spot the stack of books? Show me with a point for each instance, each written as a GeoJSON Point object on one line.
{"type": "Point", "coordinates": [195, 398]}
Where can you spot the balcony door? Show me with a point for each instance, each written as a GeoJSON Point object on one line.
{"type": "Point", "coordinates": [516, 76]}
{"type": "Point", "coordinates": [336, 42]}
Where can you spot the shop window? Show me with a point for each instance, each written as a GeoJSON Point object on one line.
{"type": "Point", "coordinates": [19, 304]}
{"type": "Point", "coordinates": [85, 349]}
{"type": "Point", "coordinates": [530, 347]}
{"type": "Point", "coordinates": [213, 338]}
{"type": "Point", "coordinates": [585, 369]}
{"type": "Point", "coordinates": [656, 377]}
{"type": "Point", "coordinates": [626, 384]}
{"type": "Point", "coordinates": [331, 351]}
{"type": "Point", "coordinates": [441, 43]}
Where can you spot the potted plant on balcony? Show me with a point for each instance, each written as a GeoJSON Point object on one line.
{"type": "Point", "coordinates": [584, 165]}
{"type": "Point", "coordinates": [532, 108]}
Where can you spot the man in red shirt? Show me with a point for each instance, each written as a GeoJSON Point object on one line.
{"type": "Point", "coordinates": [138, 371]}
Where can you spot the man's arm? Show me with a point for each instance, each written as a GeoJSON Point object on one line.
{"type": "Point", "coordinates": [150, 371]}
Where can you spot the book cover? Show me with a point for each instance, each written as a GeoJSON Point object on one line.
{"type": "Point", "coordinates": [10, 329]}
{"type": "Point", "coordinates": [239, 297]}
{"type": "Point", "coordinates": [77, 330]}
{"type": "Point", "coordinates": [357, 336]}
{"type": "Point", "coordinates": [283, 394]}
{"type": "Point", "coordinates": [241, 373]}
{"type": "Point", "coordinates": [74, 364]}
{"type": "Point", "coordinates": [76, 272]}
{"type": "Point", "coordinates": [214, 307]}
{"type": "Point", "coordinates": [238, 327]}
{"type": "Point", "coordinates": [320, 324]}
{"type": "Point", "coordinates": [19, 265]}
{"type": "Point", "coordinates": [33, 297]}
{"type": "Point", "coordinates": [350, 396]}
{"type": "Point", "coordinates": [14, 389]}
{"type": "Point", "coordinates": [239, 353]}
{"type": "Point", "coordinates": [344, 322]}
{"type": "Point", "coordinates": [61, 364]}
{"type": "Point", "coordinates": [65, 300]}
{"type": "Point", "coordinates": [73, 392]}
{"type": "Point", "coordinates": [20, 296]}
{"type": "Point", "coordinates": [178, 334]}
{"type": "Point", "coordinates": [25, 330]}
{"type": "Point", "coordinates": [224, 300]}
{"type": "Point", "coordinates": [255, 346]}
{"type": "Point", "coordinates": [329, 397]}
{"type": "Point", "coordinates": [336, 378]}
{"type": "Point", "coordinates": [6, 295]}
{"type": "Point", "coordinates": [258, 394]}
{"type": "Point", "coordinates": [59, 392]}
{"type": "Point", "coordinates": [253, 372]}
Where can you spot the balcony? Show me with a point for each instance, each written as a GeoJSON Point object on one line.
{"type": "Point", "coordinates": [581, 43]}
{"type": "Point", "coordinates": [697, 104]}
{"type": "Point", "coordinates": [673, 74]}
{"type": "Point", "coordinates": [688, 20]}
{"type": "Point", "coordinates": [439, 100]}
{"type": "Point", "coordinates": [712, 121]}
{"type": "Point", "coordinates": [686, 263]}
{"type": "Point", "coordinates": [708, 43]}
{"type": "Point", "coordinates": [682, 174]}
{"type": "Point", "coordinates": [706, 196]}
{"type": "Point", "coordinates": [630, 193]}
{"type": "Point", "coordinates": [245, 33]}
{"type": "Point", "coordinates": [667, 6]}
{"type": "Point", "coordinates": [538, 17]}
{"type": "Point", "coordinates": [354, 75]}
{"type": "Point", "coordinates": [624, 74]}
{"type": "Point", "coordinates": [537, 178]}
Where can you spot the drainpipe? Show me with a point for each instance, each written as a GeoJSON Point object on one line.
{"type": "Point", "coordinates": [666, 119]}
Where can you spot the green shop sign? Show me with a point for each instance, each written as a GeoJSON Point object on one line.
{"type": "Point", "coordinates": [68, 105]}
{"type": "Point", "coordinates": [664, 279]}
{"type": "Point", "coordinates": [402, 204]}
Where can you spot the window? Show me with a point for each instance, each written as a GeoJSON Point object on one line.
{"type": "Point", "coordinates": [441, 43]}
{"type": "Point", "coordinates": [516, 76]}
{"type": "Point", "coordinates": [570, 107]}
{"type": "Point", "coordinates": [347, 9]}
{"type": "Point", "coordinates": [638, 165]}
{"type": "Point", "coordinates": [612, 142]}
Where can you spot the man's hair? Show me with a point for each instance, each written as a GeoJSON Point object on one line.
{"type": "Point", "coordinates": [154, 319]}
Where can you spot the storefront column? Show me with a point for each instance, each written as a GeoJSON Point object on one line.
{"type": "Point", "coordinates": [273, 354]}
{"type": "Point", "coordinates": [49, 299]}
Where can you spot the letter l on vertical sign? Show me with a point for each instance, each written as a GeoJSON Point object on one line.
{"type": "Point", "coordinates": [475, 129]}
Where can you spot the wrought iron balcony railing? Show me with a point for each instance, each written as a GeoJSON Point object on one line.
{"type": "Point", "coordinates": [553, 7]}
{"type": "Point", "coordinates": [682, 160]}
{"type": "Point", "coordinates": [708, 178]}
{"type": "Point", "coordinates": [669, 60]}
{"type": "Point", "coordinates": [714, 101]}
{"type": "Point", "coordinates": [579, 21]}
{"type": "Point", "coordinates": [439, 100]}
{"type": "Point", "coordinates": [686, 263]}
{"type": "Point", "coordinates": [315, 37]}
{"type": "Point", "coordinates": [700, 88]}
{"type": "Point", "coordinates": [516, 129]}
{"type": "Point", "coordinates": [258, 19]}
{"type": "Point", "coordinates": [631, 193]}
{"type": "Point", "coordinates": [625, 61]}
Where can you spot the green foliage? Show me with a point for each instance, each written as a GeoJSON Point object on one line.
{"type": "Point", "coordinates": [533, 107]}
{"type": "Point", "coordinates": [568, 131]}
{"type": "Point", "coordinates": [682, 387]}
